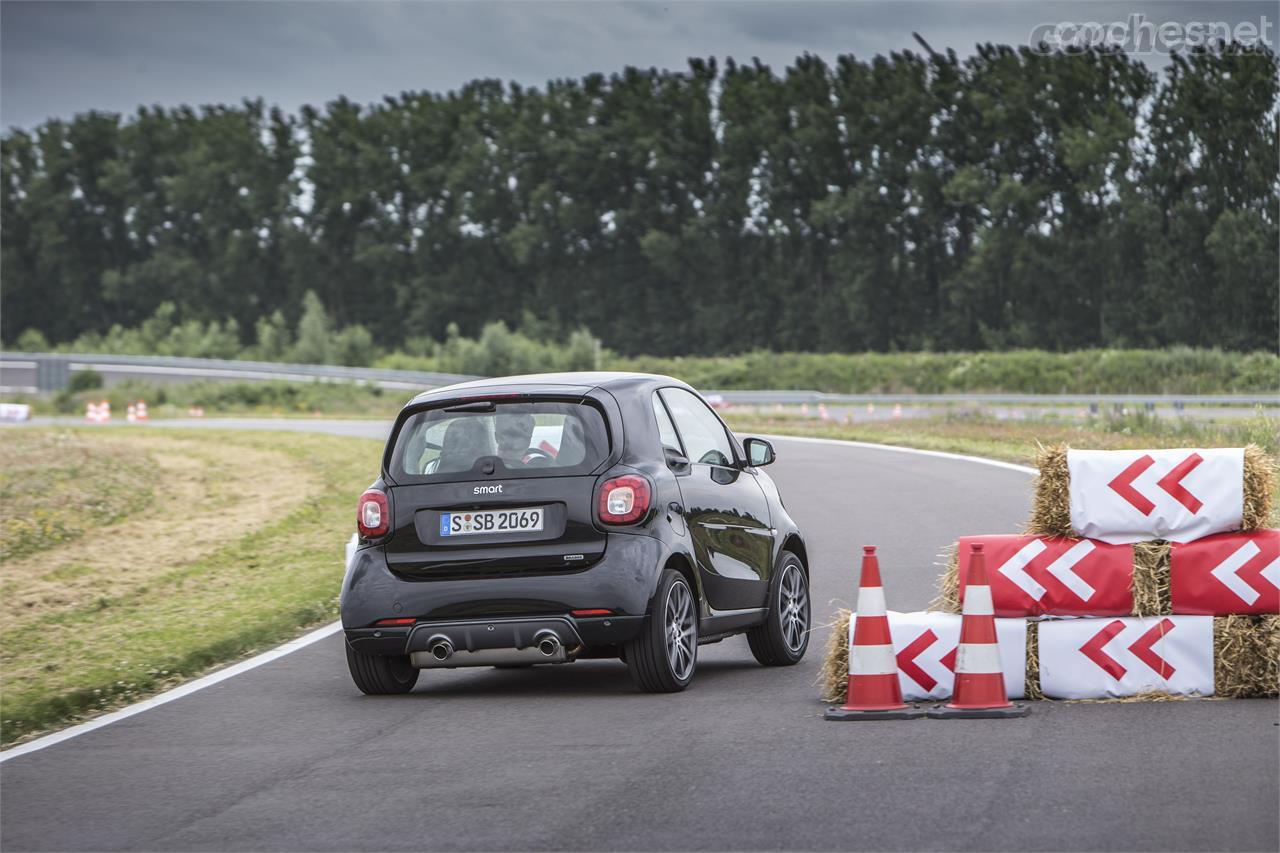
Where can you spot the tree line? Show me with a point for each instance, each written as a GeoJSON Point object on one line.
{"type": "Point", "coordinates": [1010, 199]}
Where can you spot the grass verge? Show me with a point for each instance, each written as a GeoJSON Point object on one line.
{"type": "Point", "coordinates": [1019, 440]}
{"type": "Point", "coordinates": [240, 547]}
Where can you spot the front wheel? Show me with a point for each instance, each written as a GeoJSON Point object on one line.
{"type": "Point", "coordinates": [378, 675]}
{"type": "Point", "coordinates": [783, 638]}
{"type": "Point", "coordinates": [662, 658]}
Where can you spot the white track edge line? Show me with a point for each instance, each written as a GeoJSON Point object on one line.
{"type": "Point", "coordinates": [170, 695]}
{"type": "Point", "coordinates": [941, 454]}
{"type": "Point", "coordinates": [334, 627]}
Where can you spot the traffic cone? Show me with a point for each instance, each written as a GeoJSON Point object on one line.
{"type": "Point", "coordinates": [804, 410]}
{"type": "Point", "coordinates": [104, 412]}
{"type": "Point", "coordinates": [822, 411]}
{"type": "Point", "coordinates": [131, 413]}
{"type": "Point", "coordinates": [897, 411]}
{"type": "Point", "coordinates": [979, 686]}
{"type": "Point", "coordinates": [874, 692]}
{"type": "Point", "coordinates": [90, 412]}
{"type": "Point", "coordinates": [142, 410]}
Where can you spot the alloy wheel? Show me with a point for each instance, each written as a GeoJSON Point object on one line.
{"type": "Point", "coordinates": [793, 606]}
{"type": "Point", "coordinates": [681, 630]}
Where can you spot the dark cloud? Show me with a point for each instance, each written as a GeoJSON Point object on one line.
{"type": "Point", "coordinates": [57, 59]}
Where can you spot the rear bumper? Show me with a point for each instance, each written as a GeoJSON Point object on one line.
{"type": "Point", "coordinates": [497, 612]}
{"type": "Point", "coordinates": [468, 637]}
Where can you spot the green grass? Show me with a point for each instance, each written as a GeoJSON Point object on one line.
{"type": "Point", "coordinates": [229, 559]}
{"type": "Point", "coordinates": [54, 486]}
{"type": "Point", "coordinates": [1018, 440]}
{"type": "Point", "coordinates": [1176, 370]}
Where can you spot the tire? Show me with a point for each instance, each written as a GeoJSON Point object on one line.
{"type": "Point", "coordinates": [381, 675]}
{"type": "Point", "coordinates": [660, 661]}
{"type": "Point", "coordinates": [783, 638]}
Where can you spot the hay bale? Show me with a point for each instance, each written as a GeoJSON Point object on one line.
{"type": "Point", "coordinates": [1152, 594]}
{"type": "Point", "coordinates": [833, 676]}
{"type": "Point", "coordinates": [1259, 476]}
{"type": "Point", "coordinates": [948, 598]}
{"type": "Point", "coordinates": [1051, 509]}
{"type": "Point", "coordinates": [1033, 690]}
{"type": "Point", "coordinates": [1150, 582]}
{"type": "Point", "coordinates": [1051, 506]}
{"type": "Point", "coordinates": [1246, 656]}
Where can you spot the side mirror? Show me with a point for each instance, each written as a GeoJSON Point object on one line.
{"type": "Point", "coordinates": [759, 452]}
{"type": "Point", "coordinates": [676, 460]}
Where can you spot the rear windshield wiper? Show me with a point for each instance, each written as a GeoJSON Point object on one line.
{"type": "Point", "coordinates": [478, 406]}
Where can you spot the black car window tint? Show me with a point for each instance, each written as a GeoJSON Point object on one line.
{"type": "Point", "coordinates": [465, 441]}
{"type": "Point", "coordinates": [516, 439]}
{"type": "Point", "coordinates": [705, 439]}
{"type": "Point", "coordinates": [666, 429]}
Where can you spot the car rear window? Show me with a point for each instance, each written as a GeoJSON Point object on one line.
{"type": "Point", "coordinates": [524, 439]}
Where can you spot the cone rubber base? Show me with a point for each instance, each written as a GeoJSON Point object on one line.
{"type": "Point", "coordinates": [907, 713]}
{"type": "Point", "coordinates": [946, 712]}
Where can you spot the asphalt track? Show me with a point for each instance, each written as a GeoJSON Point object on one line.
{"type": "Point", "coordinates": [288, 756]}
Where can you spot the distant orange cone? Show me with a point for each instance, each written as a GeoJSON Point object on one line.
{"type": "Point", "coordinates": [979, 689]}
{"type": "Point", "coordinates": [142, 410]}
{"type": "Point", "coordinates": [873, 692]}
{"type": "Point", "coordinates": [131, 413]}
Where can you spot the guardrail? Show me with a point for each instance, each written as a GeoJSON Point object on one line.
{"type": "Point", "coordinates": [52, 372]}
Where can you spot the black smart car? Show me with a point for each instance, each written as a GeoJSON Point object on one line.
{"type": "Point", "coordinates": [543, 519]}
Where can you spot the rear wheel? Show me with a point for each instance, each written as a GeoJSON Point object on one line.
{"type": "Point", "coordinates": [378, 675]}
{"type": "Point", "coordinates": [663, 657]}
{"type": "Point", "coordinates": [783, 638]}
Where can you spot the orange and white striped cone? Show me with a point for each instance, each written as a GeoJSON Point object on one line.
{"type": "Point", "coordinates": [979, 689]}
{"type": "Point", "coordinates": [90, 412]}
{"type": "Point", "coordinates": [874, 692]}
{"type": "Point", "coordinates": [104, 412]}
{"type": "Point", "coordinates": [142, 410]}
{"type": "Point", "coordinates": [131, 413]}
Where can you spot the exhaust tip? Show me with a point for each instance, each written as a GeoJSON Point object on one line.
{"type": "Point", "coordinates": [548, 643]}
{"type": "Point", "coordinates": [441, 648]}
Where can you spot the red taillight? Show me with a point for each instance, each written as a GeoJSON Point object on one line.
{"type": "Point", "coordinates": [624, 499]}
{"type": "Point", "coordinates": [390, 623]}
{"type": "Point", "coordinates": [373, 517]}
{"type": "Point", "coordinates": [583, 614]}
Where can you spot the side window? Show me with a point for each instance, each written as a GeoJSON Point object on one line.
{"type": "Point", "coordinates": [705, 439]}
{"type": "Point", "coordinates": [666, 429]}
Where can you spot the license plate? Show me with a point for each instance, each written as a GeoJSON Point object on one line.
{"type": "Point", "coordinates": [494, 521]}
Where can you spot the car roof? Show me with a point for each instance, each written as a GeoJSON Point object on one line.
{"type": "Point", "coordinates": [566, 383]}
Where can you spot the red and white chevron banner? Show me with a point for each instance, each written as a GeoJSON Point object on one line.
{"type": "Point", "coordinates": [925, 644]}
{"type": "Point", "coordinates": [1227, 573]}
{"type": "Point", "coordinates": [1037, 575]}
{"type": "Point", "coordinates": [1097, 658]}
{"type": "Point", "coordinates": [1122, 496]}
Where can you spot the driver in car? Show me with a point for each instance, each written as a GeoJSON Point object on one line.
{"type": "Point", "coordinates": [513, 432]}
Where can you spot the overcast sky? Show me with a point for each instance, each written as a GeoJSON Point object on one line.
{"type": "Point", "coordinates": [58, 59]}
